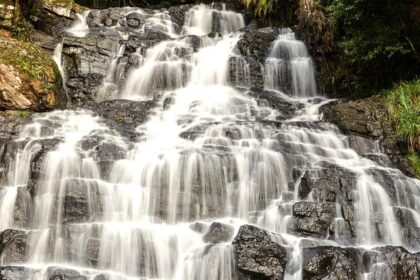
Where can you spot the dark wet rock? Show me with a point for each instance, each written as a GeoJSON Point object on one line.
{"type": "Point", "coordinates": [285, 109]}
{"type": "Point", "coordinates": [53, 17]}
{"type": "Point", "coordinates": [392, 263]}
{"type": "Point", "coordinates": [13, 246]}
{"type": "Point", "coordinates": [257, 256]}
{"type": "Point", "coordinates": [92, 251]}
{"type": "Point", "coordinates": [83, 61]}
{"type": "Point", "coordinates": [111, 18]}
{"type": "Point", "coordinates": [12, 122]}
{"type": "Point", "coordinates": [333, 263]}
{"type": "Point", "coordinates": [245, 72]}
{"type": "Point", "coordinates": [360, 117]}
{"type": "Point", "coordinates": [369, 118]}
{"type": "Point", "coordinates": [196, 131]}
{"type": "Point", "coordinates": [254, 46]}
{"type": "Point", "coordinates": [410, 232]}
{"type": "Point", "coordinates": [144, 40]}
{"type": "Point", "coordinates": [177, 14]}
{"type": "Point", "coordinates": [312, 218]}
{"type": "Point", "coordinates": [218, 232]}
{"type": "Point", "coordinates": [256, 43]}
{"type": "Point", "coordinates": [14, 273]}
{"type": "Point", "coordinates": [57, 273]}
{"type": "Point", "coordinates": [37, 162]}
{"type": "Point", "coordinates": [135, 19]}
{"type": "Point", "coordinates": [199, 227]}
{"type": "Point", "coordinates": [304, 186]}
{"type": "Point", "coordinates": [104, 152]}
{"type": "Point", "coordinates": [81, 200]}
{"type": "Point", "coordinates": [122, 115]}
{"type": "Point", "coordinates": [23, 208]}
{"type": "Point", "coordinates": [347, 210]}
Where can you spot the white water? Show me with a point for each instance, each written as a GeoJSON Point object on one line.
{"type": "Point", "coordinates": [80, 27]}
{"type": "Point", "coordinates": [289, 67]}
{"type": "Point", "coordinates": [234, 168]}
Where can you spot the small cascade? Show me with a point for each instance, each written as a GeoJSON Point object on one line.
{"type": "Point", "coordinates": [168, 198]}
{"type": "Point", "coordinates": [289, 68]}
{"type": "Point", "coordinates": [201, 21]}
{"type": "Point", "coordinates": [80, 27]}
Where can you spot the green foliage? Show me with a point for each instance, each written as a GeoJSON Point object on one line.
{"type": "Point", "coordinates": [375, 42]}
{"type": "Point", "coordinates": [414, 159]}
{"type": "Point", "coordinates": [22, 29]}
{"type": "Point", "coordinates": [261, 7]}
{"type": "Point", "coordinates": [29, 59]}
{"type": "Point", "coordinates": [403, 104]}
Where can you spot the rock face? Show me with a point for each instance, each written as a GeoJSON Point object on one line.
{"type": "Point", "coordinates": [399, 264]}
{"type": "Point", "coordinates": [331, 263]}
{"type": "Point", "coordinates": [326, 262]}
{"type": "Point", "coordinates": [218, 232]}
{"type": "Point", "coordinates": [257, 256]}
{"type": "Point", "coordinates": [53, 17]}
{"type": "Point", "coordinates": [368, 118]}
{"type": "Point", "coordinates": [29, 78]}
{"type": "Point", "coordinates": [254, 46]}
{"type": "Point", "coordinates": [13, 246]}
{"type": "Point", "coordinates": [313, 218]}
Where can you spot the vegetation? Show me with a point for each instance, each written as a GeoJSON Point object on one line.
{"type": "Point", "coordinates": [260, 7]}
{"type": "Point", "coordinates": [31, 61]}
{"type": "Point", "coordinates": [375, 41]}
{"type": "Point", "coordinates": [364, 45]}
{"type": "Point", "coordinates": [403, 103]}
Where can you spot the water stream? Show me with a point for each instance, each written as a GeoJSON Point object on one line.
{"type": "Point", "coordinates": [214, 154]}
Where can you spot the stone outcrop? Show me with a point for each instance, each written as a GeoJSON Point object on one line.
{"type": "Point", "coordinates": [29, 78]}
{"type": "Point", "coordinates": [218, 232]}
{"type": "Point", "coordinates": [337, 263]}
{"type": "Point", "coordinates": [368, 118]}
{"type": "Point", "coordinates": [257, 256]}
{"type": "Point", "coordinates": [332, 263]}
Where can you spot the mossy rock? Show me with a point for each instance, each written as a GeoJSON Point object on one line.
{"type": "Point", "coordinates": [29, 78]}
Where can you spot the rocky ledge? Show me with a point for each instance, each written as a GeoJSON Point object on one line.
{"type": "Point", "coordinates": [368, 118]}
{"type": "Point", "coordinates": [29, 78]}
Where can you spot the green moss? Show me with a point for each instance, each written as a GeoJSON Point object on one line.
{"type": "Point", "coordinates": [28, 58]}
{"type": "Point", "coordinates": [16, 113]}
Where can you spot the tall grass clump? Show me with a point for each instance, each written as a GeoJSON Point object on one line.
{"type": "Point", "coordinates": [403, 103]}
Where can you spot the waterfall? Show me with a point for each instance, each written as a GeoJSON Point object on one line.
{"type": "Point", "coordinates": [209, 152]}
{"type": "Point", "coordinates": [289, 67]}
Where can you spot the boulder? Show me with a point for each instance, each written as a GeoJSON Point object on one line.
{"type": "Point", "coordinates": [14, 273]}
{"type": "Point", "coordinates": [58, 273]}
{"type": "Point", "coordinates": [29, 78]}
{"type": "Point", "coordinates": [396, 263]}
{"type": "Point", "coordinates": [218, 232]}
{"type": "Point", "coordinates": [84, 61]}
{"type": "Point", "coordinates": [53, 16]}
{"type": "Point", "coordinates": [368, 118]}
{"type": "Point", "coordinates": [134, 20]}
{"type": "Point", "coordinates": [332, 263]}
{"type": "Point", "coordinates": [257, 256]}
{"type": "Point", "coordinates": [313, 218]}
{"type": "Point", "coordinates": [13, 246]}
{"type": "Point", "coordinates": [122, 115]}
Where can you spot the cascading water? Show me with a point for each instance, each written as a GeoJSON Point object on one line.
{"type": "Point", "coordinates": [289, 66]}
{"type": "Point", "coordinates": [208, 153]}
